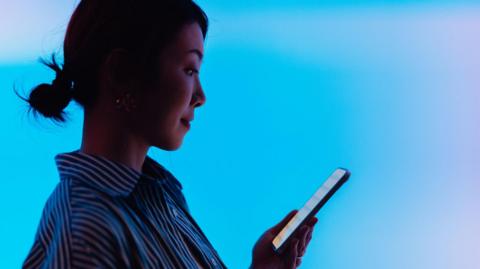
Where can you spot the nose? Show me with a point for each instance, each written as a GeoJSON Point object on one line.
{"type": "Point", "coordinates": [199, 97]}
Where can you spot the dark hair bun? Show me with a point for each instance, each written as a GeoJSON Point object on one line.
{"type": "Point", "coordinates": [51, 99]}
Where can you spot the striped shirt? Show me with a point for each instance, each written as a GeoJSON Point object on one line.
{"type": "Point", "coordinates": [104, 214]}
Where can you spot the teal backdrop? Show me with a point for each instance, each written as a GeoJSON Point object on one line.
{"type": "Point", "coordinates": [388, 89]}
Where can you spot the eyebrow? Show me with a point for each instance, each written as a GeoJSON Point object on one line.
{"type": "Point", "coordinates": [197, 52]}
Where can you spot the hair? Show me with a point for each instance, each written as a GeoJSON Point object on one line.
{"type": "Point", "coordinates": [141, 27]}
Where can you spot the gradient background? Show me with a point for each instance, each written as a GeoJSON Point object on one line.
{"type": "Point", "coordinates": [388, 89]}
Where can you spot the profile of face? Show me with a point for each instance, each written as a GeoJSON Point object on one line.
{"type": "Point", "coordinates": [164, 107]}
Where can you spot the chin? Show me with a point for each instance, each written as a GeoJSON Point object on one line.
{"type": "Point", "coordinates": [168, 141]}
{"type": "Point", "coordinates": [169, 146]}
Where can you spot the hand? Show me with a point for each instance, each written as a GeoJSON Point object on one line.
{"type": "Point", "coordinates": [264, 257]}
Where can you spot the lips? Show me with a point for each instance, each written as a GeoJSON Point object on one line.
{"type": "Point", "coordinates": [188, 118]}
{"type": "Point", "coordinates": [185, 122]}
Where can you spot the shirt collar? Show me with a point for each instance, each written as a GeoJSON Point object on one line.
{"type": "Point", "coordinates": [111, 177]}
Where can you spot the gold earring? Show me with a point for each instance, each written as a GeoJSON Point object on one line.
{"type": "Point", "coordinates": [125, 102]}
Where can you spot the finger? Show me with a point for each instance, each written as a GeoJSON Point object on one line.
{"type": "Point", "coordinates": [277, 228]}
{"type": "Point", "coordinates": [298, 262]}
{"type": "Point", "coordinates": [292, 259]}
{"type": "Point", "coordinates": [312, 221]}
{"type": "Point", "coordinates": [301, 231]}
{"type": "Point", "coordinates": [309, 236]}
{"type": "Point", "coordinates": [303, 241]}
{"type": "Point", "coordinates": [299, 235]}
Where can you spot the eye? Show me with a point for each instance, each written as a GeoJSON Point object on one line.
{"type": "Point", "coordinates": [191, 71]}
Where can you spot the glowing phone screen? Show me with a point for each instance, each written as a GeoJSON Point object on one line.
{"type": "Point", "coordinates": [311, 204]}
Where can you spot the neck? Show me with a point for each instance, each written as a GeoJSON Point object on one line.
{"type": "Point", "coordinates": [108, 138]}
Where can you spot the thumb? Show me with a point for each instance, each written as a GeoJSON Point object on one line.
{"type": "Point", "coordinates": [277, 228]}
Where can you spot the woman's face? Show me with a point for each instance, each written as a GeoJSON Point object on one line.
{"type": "Point", "coordinates": [165, 107]}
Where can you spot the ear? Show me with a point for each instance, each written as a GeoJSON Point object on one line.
{"type": "Point", "coordinates": [116, 71]}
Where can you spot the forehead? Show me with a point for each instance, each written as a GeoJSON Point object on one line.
{"type": "Point", "coordinates": [189, 38]}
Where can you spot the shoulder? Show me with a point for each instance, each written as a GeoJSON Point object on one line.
{"type": "Point", "coordinates": [94, 212]}
{"type": "Point", "coordinates": [56, 212]}
{"type": "Point", "coordinates": [75, 208]}
{"type": "Point", "coordinates": [80, 225]}
{"type": "Point", "coordinates": [68, 203]}
{"type": "Point", "coordinates": [95, 227]}
{"type": "Point", "coordinates": [53, 238]}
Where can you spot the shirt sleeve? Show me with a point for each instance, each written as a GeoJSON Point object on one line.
{"type": "Point", "coordinates": [94, 244]}
{"type": "Point", "coordinates": [52, 244]}
{"type": "Point", "coordinates": [35, 256]}
{"type": "Point", "coordinates": [74, 239]}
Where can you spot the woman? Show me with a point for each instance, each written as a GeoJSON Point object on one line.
{"type": "Point", "coordinates": [134, 68]}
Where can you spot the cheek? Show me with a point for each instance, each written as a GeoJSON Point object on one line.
{"type": "Point", "coordinates": [166, 107]}
{"type": "Point", "coordinates": [178, 93]}
{"type": "Point", "coordinates": [175, 83]}
{"type": "Point", "coordinates": [167, 101]}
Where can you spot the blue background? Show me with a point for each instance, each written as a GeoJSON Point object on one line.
{"type": "Point", "coordinates": [388, 89]}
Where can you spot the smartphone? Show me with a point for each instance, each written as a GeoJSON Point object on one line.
{"type": "Point", "coordinates": [321, 196]}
